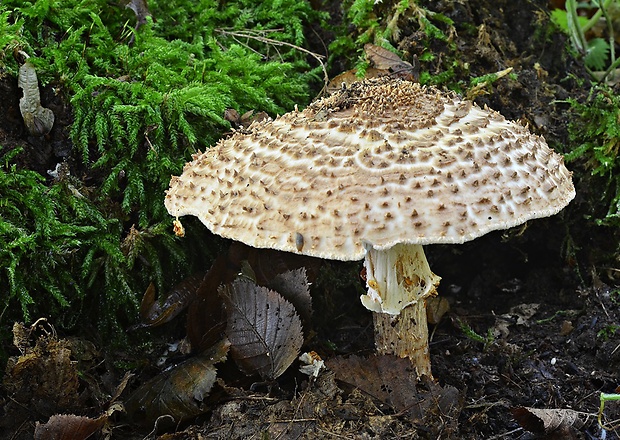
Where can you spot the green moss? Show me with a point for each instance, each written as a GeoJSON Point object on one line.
{"type": "Point", "coordinates": [607, 332]}
{"type": "Point", "coordinates": [143, 100]}
{"type": "Point", "coordinates": [595, 131]}
{"type": "Point", "coordinates": [470, 333]}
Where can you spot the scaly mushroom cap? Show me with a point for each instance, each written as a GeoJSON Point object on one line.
{"type": "Point", "coordinates": [378, 163]}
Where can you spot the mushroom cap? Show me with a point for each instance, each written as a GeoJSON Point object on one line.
{"type": "Point", "coordinates": [380, 162]}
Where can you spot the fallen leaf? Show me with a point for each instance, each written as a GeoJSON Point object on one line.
{"type": "Point", "coordinates": [155, 312]}
{"type": "Point", "coordinates": [68, 427]}
{"type": "Point", "coordinates": [385, 60]}
{"type": "Point", "coordinates": [232, 116]}
{"type": "Point", "coordinates": [245, 120]}
{"type": "Point", "coordinates": [350, 76]}
{"type": "Point", "coordinates": [393, 381]}
{"type": "Point", "coordinates": [266, 264]}
{"type": "Point", "coordinates": [382, 62]}
{"type": "Point", "coordinates": [45, 376]}
{"type": "Point", "coordinates": [566, 328]}
{"type": "Point", "coordinates": [263, 328]}
{"type": "Point", "coordinates": [517, 315]}
{"type": "Point", "coordinates": [293, 286]}
{"type": "Point", "coordinates": [178, 392]}
{"type": "Point", "coordinates": [206, 317]}
{"type": "Point", "coordinates": [38, 120]}
{"type": "Point", "coordinates": [545, 421]}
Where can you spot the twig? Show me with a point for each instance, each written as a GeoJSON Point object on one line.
{"type": "Point", "coordinates": [271, 41]}
{"type": "Point", "coordinates": [295, 420]}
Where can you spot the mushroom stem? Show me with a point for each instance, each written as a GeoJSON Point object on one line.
{"type": "Point", "coordinates": [399, 280]}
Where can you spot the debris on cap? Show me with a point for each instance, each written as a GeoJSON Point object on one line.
{"type": "Point", "coordinates": [380, 162]}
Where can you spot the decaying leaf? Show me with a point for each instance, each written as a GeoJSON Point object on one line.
{"type": "Point", "coordinates": [45, 376]}
{"type": "Point", "coordinates": [393, 381]}
{"type": "Point", "coordinates": [155, 312]}
{"type": "Point", "coordinates": [68, 427]}
{"type": "Point", "coordinates": [263, 328]}
{"type": "Point", "coordinates": [385, 60]}
{"type": "Point", "coordinates": [245, 120]}
{"type": "Point", "coordinates": [293, 286]}
{"type": "Point", "coordinates": [518, 315]}
{"type": "Point", "coordinates": [545, 421]}
{"type": "Point", "coordinates": [38, 120]}
{"type": "Point", "coordinates": [206, 317]}
{"type": "Point", "coordinates": [178, 392]}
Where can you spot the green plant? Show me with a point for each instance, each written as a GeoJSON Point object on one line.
{"type": "Point", "coordinates": [607, 332]}
{"type": "Point", "coordinates": [56, 246]}
{"type": "Point", "coordinates": [596, 133]}
{"type": "Point", "coordinates": [604, 398]}
{"type": "Point", "coordinates": [599, 54]}
{"type": "Point", "coordinates": [476, 337]}
{"type": "Point", "coordinates": [144, 98]}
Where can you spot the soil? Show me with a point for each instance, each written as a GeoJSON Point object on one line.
{"type": "Point", "coordinates": [529, 326]}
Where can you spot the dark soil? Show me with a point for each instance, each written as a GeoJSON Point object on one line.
{"type": "Point", "coordinates": [530, 324]}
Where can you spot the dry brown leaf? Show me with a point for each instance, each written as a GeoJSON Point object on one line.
{"type": "Point", "coordinates": [520, 314]}
{"type": "Point", "coordinates": [263, 328]}
{"type": "Point", "coordinates": [206, 318]}
{"type": "Point", "coordinates": [545, 421]}
{"type": "Point", "coordinates": [266, 264]}
{"type": "Point", "coordinates": [68, 427]}
{"type": "Point", "coordinates": [383, 59]}
{"type": "Point", "coordinates": [245, 120]}
{"type": "Point", "coordinates": [566, 328]}
{"type": "Point", "coordinates": [154, 312]}
{"type": "Point", "coordinates": [293, 286]}
{"type": "Point", "coordinates": [179, 392]}
{"type": "Point", "coordinates": [45, 376]}
{"type": "Point", "coordinates": [350, 76]}
{"type": "Point", "coordinates": [393, 381]}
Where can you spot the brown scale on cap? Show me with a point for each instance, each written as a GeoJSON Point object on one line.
{"type": "Point", "coordinates": [379, 163]}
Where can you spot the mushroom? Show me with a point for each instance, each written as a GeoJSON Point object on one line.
{"type": "Point", "coordinates": [374, 172]}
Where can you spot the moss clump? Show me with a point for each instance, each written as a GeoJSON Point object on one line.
{"type": "Point", "coordinates": [595, 132]}
{"type": "Point", "coordinates": [147, 89]}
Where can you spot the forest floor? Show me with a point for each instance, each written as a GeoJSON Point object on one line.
{"type": "Point", "coordinates": [528, 325]}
